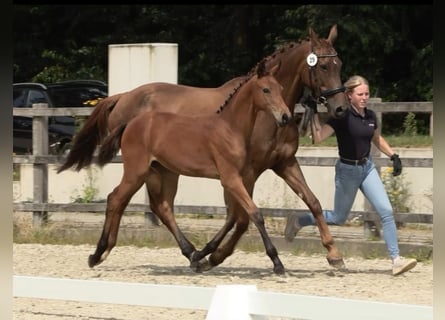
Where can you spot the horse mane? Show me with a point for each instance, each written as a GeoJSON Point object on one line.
{"type": "Point", "coordinates": [260, 70]}
{"type": "Point", "coordinates": [279, 51]}
{"type": "Point", "coordinates": [262, 64]}
{"type": "Point", "coordinates": [234, 91]}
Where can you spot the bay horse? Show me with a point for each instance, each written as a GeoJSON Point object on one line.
{"type": "Point", "coordinates": [211, 146]}
{"type": "Point", "coordinates": [269, 147]}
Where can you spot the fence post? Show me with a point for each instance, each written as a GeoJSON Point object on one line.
{"type": "Point", "coordinates": [40, 170]}
{"type": "Point", "coordinates": [232, 302]}
{"type": "Point", "coordinates": [431, 124]}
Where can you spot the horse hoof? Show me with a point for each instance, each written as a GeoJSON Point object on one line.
{"type": "Point", "coordinates": [279, 270]}
{"type": "Point", "coordinates": [200, 266]}
{"type": "Point", "coordinates": [337, 263]}
{"type": "Point", "coordinates": [92, 261]}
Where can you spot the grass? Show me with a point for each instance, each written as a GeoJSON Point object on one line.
{"type": "Point", "coordinates": [70, 232]}
{"type": "Point", "coordinates": [396, 141]}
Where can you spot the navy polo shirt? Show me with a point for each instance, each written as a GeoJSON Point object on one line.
{"type": "Point", "coordinates": [354, 133]}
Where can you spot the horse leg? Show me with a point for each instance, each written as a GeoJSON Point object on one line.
{"type": "Point", "coordinates": [212, 246]}
{"type": "Point", "coordinates": [292, 174]}
{"type": "Point", "coordinates": [242, 224]}
{"type": "Point", "coordinates": [117, 201]}
{"type": "Point", "coordinates": [236, 188]}
{"type": "Point", "coordinates": [219, 254]}
{"type": "Point", "coordinates": [162, 187]}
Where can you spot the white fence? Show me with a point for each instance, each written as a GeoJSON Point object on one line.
{"type": "Point", "coordinates": [226, 302]}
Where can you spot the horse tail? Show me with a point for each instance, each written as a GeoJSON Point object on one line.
{"type": "Point", "coordinates": [92, 133]}
{"type": "Point", "coordinates": [110, 145]}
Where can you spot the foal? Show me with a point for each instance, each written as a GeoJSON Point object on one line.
{"type": "Point", "coordinates": [211, 146]}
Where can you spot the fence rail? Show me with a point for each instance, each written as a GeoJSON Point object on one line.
{"type": "Point", "coordinates": [303, 161]}
{"type": "Point", "coordinates": [40, 160]}
{"type": "Point", "coordinates": [224, 302]}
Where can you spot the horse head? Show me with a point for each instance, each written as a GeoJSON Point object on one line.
{"type": "Point", "coordinates": [323, 76]}
{"type": "Point", "coordinates": [271, 93]}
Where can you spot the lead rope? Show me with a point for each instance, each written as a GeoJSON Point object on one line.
{"type": "Point", "coordinates": [309, 104]}
{"type": "Point", "coordinates": [309, 99]}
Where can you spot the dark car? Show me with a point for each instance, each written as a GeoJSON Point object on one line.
{"type": "Point", "coordinates": [76, 93]}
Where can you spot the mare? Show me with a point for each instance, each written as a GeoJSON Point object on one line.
{"type": "Point", "coordinates": [211, 146]}
{"type": "Point", "coordinates": [269, 147]}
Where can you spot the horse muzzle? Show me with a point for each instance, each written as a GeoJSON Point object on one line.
{"type": "Point", "coordinates": [340, 111]}
{"type": "Point", "coordinates": [285, 119]}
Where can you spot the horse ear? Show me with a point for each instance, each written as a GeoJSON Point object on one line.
{"type": "Point", "coordinates": [332, 34]}
{"type": "Point", "coordinates": [261, 69]}
{"type": "Point", "coordinates": [313, 35]}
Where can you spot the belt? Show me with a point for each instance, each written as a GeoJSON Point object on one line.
{"type": "Point", "coordinates": [354, 162]}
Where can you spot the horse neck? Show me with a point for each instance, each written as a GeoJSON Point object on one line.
{"type": "Point", "coordinates": [232, 83]}
{"type": "Point", "coordinates": [290, 75]}
{"type": "Point", "coordinates": [240, 112]}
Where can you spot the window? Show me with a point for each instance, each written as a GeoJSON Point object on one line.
{"type": "Point", "coordinates": [36, 97]}
{"type": "Point", "coordinates": [19, 98]}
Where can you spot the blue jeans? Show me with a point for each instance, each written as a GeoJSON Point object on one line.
{"type": "Point", "coordinates": [348, 180]}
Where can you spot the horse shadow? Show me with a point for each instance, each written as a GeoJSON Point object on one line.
{"type": "Point", "coordinates": [253, 273]}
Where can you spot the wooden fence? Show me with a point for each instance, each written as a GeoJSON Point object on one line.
{"type": "Point", "coordinates": [40, 159]}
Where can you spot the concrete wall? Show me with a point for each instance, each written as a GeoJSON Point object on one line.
{"type": "Point", "coordinates": [270, 190]}
{"type": "Point", "coordinates": [131, 65]}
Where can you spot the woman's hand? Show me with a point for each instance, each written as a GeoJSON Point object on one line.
{"type": "Point", "coordinates": [396, 164]}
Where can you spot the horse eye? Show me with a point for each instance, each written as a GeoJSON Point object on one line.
{"type": "Point", "coordinates": [266, 90]}
{"type": "Point", "coordinates": [324, 67]}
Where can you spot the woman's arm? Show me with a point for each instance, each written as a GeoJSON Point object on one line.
{"type": "Point", "coordinates": [382, 144]}
{"type": "Point", "coordinates": [384, 147]}
{"type": "Point", "coordinates": [320, 132]}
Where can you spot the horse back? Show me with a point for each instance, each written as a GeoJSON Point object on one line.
{"type": "Point", "coordinates": [180, 99]}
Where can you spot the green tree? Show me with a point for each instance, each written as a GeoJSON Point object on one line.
{"type": "Point", "coordinates": [390, 44]}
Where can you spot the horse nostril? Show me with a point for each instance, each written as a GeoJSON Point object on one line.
{"type": "Point", "coordinates": [285, 119]}
{"type": "Point", "coordinates": [340, 111]}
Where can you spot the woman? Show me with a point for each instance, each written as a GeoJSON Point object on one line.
{"type": "Point", "coordinates": [355, 170]}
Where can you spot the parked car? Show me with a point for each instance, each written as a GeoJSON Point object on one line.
{"type": "Point", "coordinates": [76, 93]}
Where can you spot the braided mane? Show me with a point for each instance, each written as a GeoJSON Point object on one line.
{"type": "Point", "coordinates": [281, 50]}
{"type": "Point", "coordinates": [234, 91]}
{"type": "Point", "coordinates": [262, 63]}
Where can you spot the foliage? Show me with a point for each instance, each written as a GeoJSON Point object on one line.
{"type": "Point", "coordinates": [15, 172]}
{"type": "Point", "coordinates": [390, 44]}
{"type": "Point", "coordinates": [397, 189]}
{"type": "Point", "coordinates": [74, 67]}
{"type": "Point", "coordinates": [89, 189]}
{"type": "Point", "coordinates": [410, 125]}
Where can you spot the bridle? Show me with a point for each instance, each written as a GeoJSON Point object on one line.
{"type": "Point", "coordinates": [312, 61]}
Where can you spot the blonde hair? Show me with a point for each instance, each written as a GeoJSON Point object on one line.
{"type": "Point", "coordinates": [353, 82]}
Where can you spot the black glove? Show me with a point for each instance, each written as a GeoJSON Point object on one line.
{"type": "Point", "coordinates": [396, 164]}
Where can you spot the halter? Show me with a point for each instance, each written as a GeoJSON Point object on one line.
{"type": "Point", "coordinates": [312, 60]}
